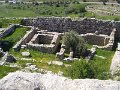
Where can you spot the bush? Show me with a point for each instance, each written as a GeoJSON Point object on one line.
{"type": "Point", "coordinates": [116, 19]}
{"type": "Point", "coordinates": [75, 8]}
{"type": "Point", "coordinates": [82, 69]}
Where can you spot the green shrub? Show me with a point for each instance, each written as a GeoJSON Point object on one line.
{"type": "Point", "coordinates": [75, 8]}
{"type": "Point", "coordinates": [116, 19]}
{"type": "Point", "coordinates": [82, 69]}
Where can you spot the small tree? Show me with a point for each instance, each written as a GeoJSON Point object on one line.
{"type": "Point", "coordinates": [116, 19]}
{"type": "Point", "coordinates": [74, 42]}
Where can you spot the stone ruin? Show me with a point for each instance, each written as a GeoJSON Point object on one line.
{"type": "Point", "coordinates": [45, 41]}
{"type": "Point", "coordinates": [46, 33]}
{"type": "Point", "coordinates": [41, 40]}
{"type": "Point", "coordinates": [82, 26]}
{"type": "Point", "coordinates": [101, 40]}
{"type": "Point", "coordinates": [115, 64]}
{"type": "Point", "coordinates": [9, 30]}
{"type": "Point", "coordinates": [96, 32]}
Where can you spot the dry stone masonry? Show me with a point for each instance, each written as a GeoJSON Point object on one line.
{"type": "Point", "coordinates": [9, 30]}
{"type": "Point", "coordinates": [96, 32]}
{"type": "Point", "coordinates": [45, 41]}
{"type": "Point", "coordinates": [46, 32]}
{"type": "Point", "coordinates": [25, 39]}
{"type": "Point", "coordinates": [82, 26]}
{"type": "Point", "coordinates": [115, 65]}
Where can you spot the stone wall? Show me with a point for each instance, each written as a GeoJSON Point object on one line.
{"type": "Point", "coordinates": [45, 39]}
{"type": "Point", "coordinates": [82, 26]}
{"type": "Point", "coordinates": [9, 30]}
{"type": "Point", "coordinates": [115, 65]}
{"type": "Point", "coordinates": [100, 40]}
{"type": "Point", "coordinates": [28, 36]}
{"type": "Point", "coordinates": [47, 47]}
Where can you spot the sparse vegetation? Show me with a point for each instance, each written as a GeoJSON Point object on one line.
{"type": "Point", "coordinates": [45, 9]}
{"type": "Point", "coordinates": [97, 68]}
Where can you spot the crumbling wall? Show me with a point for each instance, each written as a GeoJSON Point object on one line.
{"type": "Point", "coordinates": [66, 24]}
{"type": "Point", "coordinates": [28, 36]}
{"type": "Point", "coordinates": [50, 47]}
{"type": "Point", "coordinates": [45, 39]}
{"type": "Point", "coordinates": [9, 30]}
{"type": "Point", "coordinates": [100, 40]}
{"type": "Point", "coordinates": [115, 65]}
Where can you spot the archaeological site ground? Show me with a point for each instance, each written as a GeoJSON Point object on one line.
{"type": "Point", "coordinates": [59, 45]}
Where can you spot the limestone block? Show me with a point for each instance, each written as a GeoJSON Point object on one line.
{"type": "Point", "coordinates": [25, 54]}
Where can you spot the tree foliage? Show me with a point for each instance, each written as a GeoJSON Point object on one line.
{"type": "Point", "coordinates": [74, 42]}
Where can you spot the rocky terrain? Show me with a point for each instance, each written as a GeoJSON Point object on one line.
{"type": "Point", "coordinates": [36, 81]}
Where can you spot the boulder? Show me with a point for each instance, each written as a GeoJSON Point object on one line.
{"type": "Point", "coordinates": [37, 81]}
{"type": "Point", "coordinates": [25, 54]}
{"type": "Point", "coordinates": [10, 59]}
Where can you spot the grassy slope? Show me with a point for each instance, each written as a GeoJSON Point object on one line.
{"type": "Point", "coordinates": [51, 11]}
{"type": "Point", "coordinates": [4, 70]}
{"type": "Point", "coordinates": [16, 36]}
{"type": "Point", "coordinates": [41, 60]}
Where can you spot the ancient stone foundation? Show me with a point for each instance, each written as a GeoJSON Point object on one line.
{"type": "Point", "coordinates": [41, 40]}
{"type": "Point", "coordinates": [45, 33]}
{"type": "Point", "coordinates": [45, 42]}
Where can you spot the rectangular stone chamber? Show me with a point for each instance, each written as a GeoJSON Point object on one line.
{"type": "Point", "coordinates": [43, 39]}
{"type": "Point", "coordinates": [97, 39]}
{"type": "Point", "coordinates": [45, 42]}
